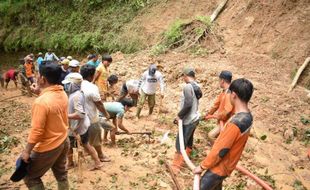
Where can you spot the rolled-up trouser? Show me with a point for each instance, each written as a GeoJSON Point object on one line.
{"type": "Point", "coordinates": [41, 162]}
{"type": "Point", "coordinates": [94, 134]}
{"type": "Point", "coordinates": [211, 181]}
{"type": "Point", "coordinates": [150, 98]}
{"type": "Point", "coordinates": [188, 133]}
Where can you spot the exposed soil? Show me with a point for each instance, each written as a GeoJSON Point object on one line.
{"type": "Point", "coordinates": [262, 41]}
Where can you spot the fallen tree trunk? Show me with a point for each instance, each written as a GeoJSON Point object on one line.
{"type": "Point", "coordinates": [298, 74]}
{"type": "Point", "coordinates": [218, 10]}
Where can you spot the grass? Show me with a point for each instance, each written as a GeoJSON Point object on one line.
{"type": "Point", "coordinates": [298, 185]}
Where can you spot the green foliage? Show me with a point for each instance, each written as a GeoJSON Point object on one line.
{"type": "Point", "coordinates": [206, 20]}
{"type": "Point", "coordinates": [77, 25]}
{"type": "Point", "coordinates": [174, 33]}
{"type": "Point", "coordinates": [7, 142]}
{"type": "Point", "coordinates": [298, 185]}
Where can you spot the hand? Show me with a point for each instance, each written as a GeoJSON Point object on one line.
{"type": "Point", "coordinates": [107, 115]}
{"type": "Point", "coordinates": [176, 120]}
{"type": "Point", "coordinates": [197, 170]}
{"type": "Point", "coordinates": [35, 88]}
{"type": "Point", "coordinates": [25, 156]}
{"type": "Point", "coordinates": [210, 117]}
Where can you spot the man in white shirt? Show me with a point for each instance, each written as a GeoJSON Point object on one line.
{"type": "Point", "coordinates": [50, 56]}
{"type": "Point", "coordinates": [131, 88]}
{"type": "Point", "coordinates": [93, 103]}
{"type": "Point", "coordinates": [147, 85]}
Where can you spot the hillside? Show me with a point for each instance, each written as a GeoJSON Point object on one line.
{"type": "Point", "coordinates": [264, 41]}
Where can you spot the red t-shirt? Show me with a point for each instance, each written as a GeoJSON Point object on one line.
{"type": "Point", "coordinates": [10, 74]}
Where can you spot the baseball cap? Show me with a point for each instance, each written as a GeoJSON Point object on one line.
{"type": "Point", "coordinates": [69, 57]}
{"type": "Point", "coordinates": [74, 63]}
{"type": "Point", "coordinates": [65, 62]}
{"type": "Point", "coordinates": [152, 69]}
{"type": "Point", "coordinates": [20, 171]}
{"type": "Point", "coordinates": [75, 78]}
{"type": "Point", "coordinates": [189, 72]}
{"type": "Point", "coordinates": [226, 75]}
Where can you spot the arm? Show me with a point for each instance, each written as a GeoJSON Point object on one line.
{"type": "Point", "coordinates": [38, 115]}
{"type": "Point", "coordinates": [45, 56]}
{"type": "Point", "coordinates": [142, 80]}
{"type": "Point", "coordinates": [188, 101]}
{"type": "Point", "coordinates": [221, 147]}
{"type": "Point", "coordinates": [119, 124]}
{"type": "Point", "coordinates": [101, 108]}
{"type": "Point", "coordinates": [57, 59]}
{"type": "Point", "coordinates": [215, 105]}
{"type": "Point", "coordinates": [97, 74]}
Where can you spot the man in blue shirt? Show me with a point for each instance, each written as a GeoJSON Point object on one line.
{"type": "Point", "coordinates": [93, 60]}
{"type": "Point", "coordinates": [39, 61]}
{"type": "Point", "coordinates": [116, 111]}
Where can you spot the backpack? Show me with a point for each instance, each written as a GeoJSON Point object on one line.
{"type": "Point", "coordinates": [197, 90]}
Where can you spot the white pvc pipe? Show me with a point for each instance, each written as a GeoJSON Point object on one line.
{"type": "Point", "coordinates": [186, 159]}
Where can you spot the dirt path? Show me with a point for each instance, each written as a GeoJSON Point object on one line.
{"type": "Point", "coordinates": [137, 164]}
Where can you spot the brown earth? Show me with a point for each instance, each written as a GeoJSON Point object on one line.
{"type": "Point", "coordinates": [263, 41]}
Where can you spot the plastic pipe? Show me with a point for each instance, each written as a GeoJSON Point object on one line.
{"type": "Point", "coordinates": [186, 159]}
{"type": "Point", "coordinates": [260, 182]}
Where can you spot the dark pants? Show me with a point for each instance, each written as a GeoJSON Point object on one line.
{"type": "Point", "coordinates": [188, 135]}
{"type": "Point", "coordinates": [41, 162]}
{"type": "Point", "coordinates": [211, 181]}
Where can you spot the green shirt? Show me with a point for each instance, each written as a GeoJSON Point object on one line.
{"type": "Point", "coordinates": [115, 109]}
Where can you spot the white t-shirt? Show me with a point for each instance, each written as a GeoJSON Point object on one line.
{"type": "Point", "coordinates": [149, 83]}
{"type": "Point", "coordinates": [132, 86]}
{"type": "Point", "coordinates": [92, 95]}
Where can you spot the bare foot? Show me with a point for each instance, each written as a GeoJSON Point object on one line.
{"type": "Point", "coordinates": [97, 167]}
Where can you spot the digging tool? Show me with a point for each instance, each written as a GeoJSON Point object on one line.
{"type": "Point", "coordinates": [177, 185]}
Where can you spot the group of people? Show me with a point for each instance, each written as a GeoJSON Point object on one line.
{"type": "Point", "coordinates": [78, 101]}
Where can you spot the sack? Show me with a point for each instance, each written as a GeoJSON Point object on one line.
{"type": "Point", "coordinates": [197, 90]}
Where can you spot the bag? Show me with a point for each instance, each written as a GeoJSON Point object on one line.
{"type": "Point", "coordinates": [197, 90]}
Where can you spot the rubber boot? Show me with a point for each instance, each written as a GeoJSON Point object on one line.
{"type": "Point", "coordinates": [177, 163]}
{"type": "Point", "coordinates": [37, 187]}
{"type": "Point", "coordinates": [188, 151]}
{"type": "Point", "coordinates": [138, 112]}
{"type": "Point", "coordinates": [63, 185]}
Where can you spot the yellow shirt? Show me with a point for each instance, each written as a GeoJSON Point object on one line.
{"type": "Point", "coordinates": [102, 81]}
{"type": "Point", "coordinates": [49, 119]}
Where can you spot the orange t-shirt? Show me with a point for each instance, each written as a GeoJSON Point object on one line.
{"type": "Point", "coordinates": [223, 106]}
{"type": "Point", "coordinates": [29, 69]}
{"type": "Point", "coordinates": [49, 123]}
{"type": "Point", "coordinates": [228, 147]}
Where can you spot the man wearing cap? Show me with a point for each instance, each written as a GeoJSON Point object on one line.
{"type": "Point", "coordinates": [47, 145]}
{"type": "Point", "coordinates": [189, 115]}
{"type": "Point", "coordinates": [222, 105]}
{"type": "Point", "coordinates": [70, 58]}
{"type": "Point", "coordinates": [64, 69]}
{"type": "Point", "coordinates": [102, 74]}
{"type": "Point", "coordinates": [93, 60]}
{"type": "Point", "coordinates": [74, 66]}
{"type": "Point", "coordinates": [147, 87]}
{"type": "Point", "coordinates": [78, 119]}
{"type": "Point", "coordinates": [50, 56]}
{"type": "Point", "coordinates": [39, 61]}
{"type": "Point", "coordinates": [29, 69]}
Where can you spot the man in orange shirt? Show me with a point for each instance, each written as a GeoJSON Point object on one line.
{"type": "Point", "coordinates": [29, 69]}
{"type": "Point", "coordinates": [102, 74]}
{"type": "Point", "coordinates": [222, 105]}
{"type": "Point", "coordinates": [48, 145]}
{"type": "Point", "coordinates": [228, 147]}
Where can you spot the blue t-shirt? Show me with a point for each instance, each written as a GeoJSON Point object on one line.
{"type": "Point", "coordinates": [115, 109]}
{"type": "Point", "coordinates": [39, 61]}
{"type": "Point", "coordinates": [95, 64]}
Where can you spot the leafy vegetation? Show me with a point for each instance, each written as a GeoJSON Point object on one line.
{"type": "Point", "coordinates": [76, 25]}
